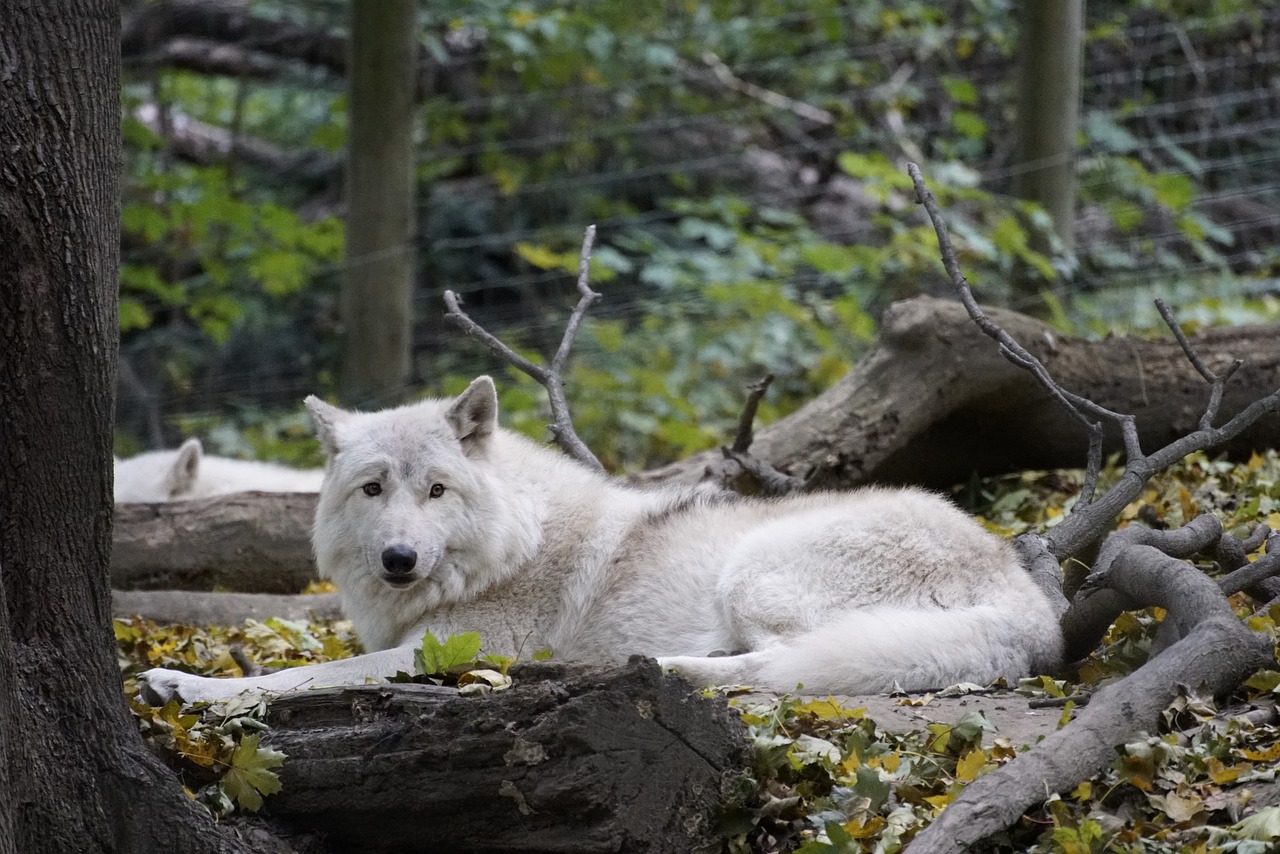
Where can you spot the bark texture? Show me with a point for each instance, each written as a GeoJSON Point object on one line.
{"type": "Point", "coordinates": [569, 759]}
{"type": "Point", "coordinates": [250, 542]}
{"type": "Point", "coordinates": [934, 402]}
{"type": "Point", "coordinates": [76, 776]}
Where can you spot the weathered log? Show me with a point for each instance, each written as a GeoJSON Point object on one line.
{"type": "Point", "coordinates": [569, 759]}
{"type": "Point", "coordinates": [191, 608]}
{"type": "Point", "coordinates": [934, 401]}
{"type": "Point", "coordinates": [249, 541]}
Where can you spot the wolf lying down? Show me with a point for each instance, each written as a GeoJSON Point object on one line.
{"type": "Point", "coordinates": [431, 516]}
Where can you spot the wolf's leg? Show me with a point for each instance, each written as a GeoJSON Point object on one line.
{"type": "Point", "coordinates": [159, 685]}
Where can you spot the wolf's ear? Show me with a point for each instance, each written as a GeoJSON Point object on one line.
{"type": "Point", "coordinates": [325, 417]}
{"type": "Point", "coordinates": [181, 477]}
{"type": "Point", "coordinates": [474, 415]}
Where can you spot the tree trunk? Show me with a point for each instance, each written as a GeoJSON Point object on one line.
{"type": "Point", "coordinates": [381, 178]}
{"type": "Point", "coordinates": [1049, 108]}
{"type": "Point", "coordinates": [74, 774]}
{"type": "Point", "coordinates": [568, 759]}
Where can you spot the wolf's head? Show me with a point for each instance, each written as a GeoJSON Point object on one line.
{"type": "Point", "coordinates": [160, 475]}
{"type": "Point", "coordinates": [412, 500]}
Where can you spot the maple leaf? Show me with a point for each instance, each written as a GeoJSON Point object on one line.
{"type": "Point", "coordinates": [249, 776]}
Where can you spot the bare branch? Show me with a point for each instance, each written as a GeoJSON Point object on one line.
{"type": "Point", "coordinates": [588, 296]}
{"type": "Point", "coordinates": [1087, 519]}
{"type": "Point", "coordinates": [1216, 382]}
{"type": "Point", "coordinates": [772, 482]}
{"type": "Point", "coordinates": [1014, 351]}
{"type": "Point", "coordinates": [459, 318]}
{"type": "Point", "coordinates": [746, 421]}
{"type": "Point", "coordinates": [725, 76]}
{"type": "Point", "coordinates": [552, 379]}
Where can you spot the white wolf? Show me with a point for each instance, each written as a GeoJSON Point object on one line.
{"type": "Point", "coordinates": [188, 473]}
{"type": "Point", "coordinates": [433, 518]}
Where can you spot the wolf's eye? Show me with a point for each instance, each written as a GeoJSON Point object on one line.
{"type": "Point", "coordinates": [437, 489]}
{"type": "Point", "coordinates": [372, 489]}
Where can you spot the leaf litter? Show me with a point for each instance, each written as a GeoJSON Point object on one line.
{"type": "Point", "coordinates": [825, 778]}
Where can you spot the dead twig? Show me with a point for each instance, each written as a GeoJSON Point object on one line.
{"type": "Point", "coordinates": [551, 378]}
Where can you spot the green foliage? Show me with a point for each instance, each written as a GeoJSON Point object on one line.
{"type": "Point", "coordinates": [434, 658]}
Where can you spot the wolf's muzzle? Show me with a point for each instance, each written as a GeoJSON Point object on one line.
{"type": "Point", "coordinates": [399, 560]}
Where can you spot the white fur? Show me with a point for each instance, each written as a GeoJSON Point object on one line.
{"type": "Point", "coordinates": [841, 592]}
{"type": "Point", "coordinates": [188, 473]}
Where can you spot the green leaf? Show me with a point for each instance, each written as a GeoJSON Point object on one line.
{"type": "Point", "coordinates": [968, 123]}
{"type": "Point", "coordinates": [249, 776]}
{"type": "Point", "coordinates": [960, 90]}
{"type": "Point", "coordinates": [435, 657]}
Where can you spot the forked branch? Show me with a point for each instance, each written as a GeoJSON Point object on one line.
{"type": "Point", "coordinates": [1090, 516]}
{"type": "Point", "coordinates": [552, 377]}
{"type": "Point", "coordinates": [1200, 643]}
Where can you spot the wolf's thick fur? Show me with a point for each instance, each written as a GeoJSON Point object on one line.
{"type": "Point", "coordinates": [188, 472]}
{"type": "Point", "coordinates": [432, 517]}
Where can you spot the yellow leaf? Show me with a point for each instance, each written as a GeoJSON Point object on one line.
{"type": "Point", "coordinates": [1220, 773]}
{"type": "Point", "coordinates": [829, 709]}
{"type": "Point", "coordinates": [1270, 754]}
{"type": "Point", "coordinates": [972, 765]}
{"type": "Point", "coordinates": [868, 830]}
{"type": "Point", "coordinates": [940, 802]}
{"type": "Point", "coordinates": [1083, 792]}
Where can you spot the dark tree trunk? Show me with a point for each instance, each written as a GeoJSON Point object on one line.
{"type": "Point", "coordinates": [74, 775]}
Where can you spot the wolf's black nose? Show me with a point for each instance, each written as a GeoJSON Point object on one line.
{"type": "Point", "coordinates": [399, 560]}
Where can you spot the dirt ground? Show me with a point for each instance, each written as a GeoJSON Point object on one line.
{"type": "Point", "coordinates": [1010, 713]}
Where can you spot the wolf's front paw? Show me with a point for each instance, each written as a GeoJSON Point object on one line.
{"type": "Point", "coordinates": [158, 686]}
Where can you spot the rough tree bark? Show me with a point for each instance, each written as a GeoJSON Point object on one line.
{"type": "Point", "coordinates": [74, 774]}
{"type": "Point", "coordinates": [568, 759]}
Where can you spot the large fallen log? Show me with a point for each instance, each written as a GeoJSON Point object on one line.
{"type": "Point", "coordinates": [934, 401]}
{"type": "Point", "coordinates": [195, 608]}
{"type": "Point", "coordinates": [254, 542]}
{"type": "Point", "coordinates": [569, 759]}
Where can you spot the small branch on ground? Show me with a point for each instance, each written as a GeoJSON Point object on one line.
{"type": "Point", "coordinates": [551, 378]}
{"type": "Point", "coordinates": [742, 471]}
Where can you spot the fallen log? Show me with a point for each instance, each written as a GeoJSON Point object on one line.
{"type": "Point", "coordinates": [254, 542]}
{"type": "Point", "coordinates": [570, 758]}
{"type": "Point", "coordinates": [934, 401]}
{"type": "Point", "coordinates": [192, 608]}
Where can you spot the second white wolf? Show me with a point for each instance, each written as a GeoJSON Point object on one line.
{"type": "Point", "coordinates": [432, 517]}
{"type": "Point", "coordinates": [188, 473]}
